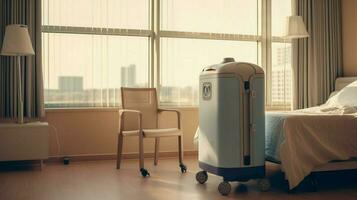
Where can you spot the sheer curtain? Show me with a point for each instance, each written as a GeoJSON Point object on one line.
{"type": "Point", "coordinates": [279, 75]}
{"type": "Point", "coordinates": [89, 52]}
{"type": "Point", "coordinates": [195, 34]}
{"type": "Point", "coordinates": [189, 42]}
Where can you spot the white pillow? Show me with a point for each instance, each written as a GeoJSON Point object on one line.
{"type": "Point", "coordinates": [345, 97]}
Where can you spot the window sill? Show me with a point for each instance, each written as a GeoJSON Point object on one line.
{"type": "Point", "coordinates": [112, 109]}
{"type": "Point", "coordinates": [61, 110]}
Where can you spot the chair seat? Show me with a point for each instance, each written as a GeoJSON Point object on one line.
{"type": "Point", "coordinates": [164, 132]}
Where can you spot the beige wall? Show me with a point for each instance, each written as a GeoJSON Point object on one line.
{"type": "Point", "coordinates": [349, 37]}
{"type": "Point", "coordinates": [94, 131]}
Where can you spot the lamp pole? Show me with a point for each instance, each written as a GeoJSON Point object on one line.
{"type": "Point", "coordinates": [20, 104]}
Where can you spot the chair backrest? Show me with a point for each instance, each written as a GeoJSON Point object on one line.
{"type": "Point", "coordinates": [144, 100]}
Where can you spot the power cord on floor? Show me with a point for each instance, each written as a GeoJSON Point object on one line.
{"type": "Point", "coordinates": [57, 140]}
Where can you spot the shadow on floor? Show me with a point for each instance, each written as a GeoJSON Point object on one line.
{"type": "Point", "coordinates": [9, 166]}
{"type": "Point", "coordinates": [318, 181]}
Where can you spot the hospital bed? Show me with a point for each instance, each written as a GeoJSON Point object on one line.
{"type": "Point", "coordinates": [276, 123]}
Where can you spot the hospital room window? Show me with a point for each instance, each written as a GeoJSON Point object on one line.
{"type": "Point", "coordinates": [87, 56]}
{"type": "Point", "coordinates": [183, 59]}
{"type": "Point", "coordinates": [195, 34]}
{"type": "Point", "coordinates": [279, 76]}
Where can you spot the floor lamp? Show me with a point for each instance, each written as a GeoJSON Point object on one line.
{"type": "Point", "coordinates": [295, 29]}
{"type": "Point", "coordinates": [17, 43]}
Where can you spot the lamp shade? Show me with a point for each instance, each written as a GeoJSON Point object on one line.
{"type": "Point", "coordinates": [17, 41]}
{"type": "Point", "coordinates": [295, 28]}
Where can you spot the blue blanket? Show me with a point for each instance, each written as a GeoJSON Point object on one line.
{"type": "Point", "coordinates": [274, 134]}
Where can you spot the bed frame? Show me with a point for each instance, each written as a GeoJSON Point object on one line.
{"type": "Point", "coordinates": [346, 164]}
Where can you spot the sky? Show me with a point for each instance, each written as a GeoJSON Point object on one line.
{"type": "Point", "coordinates": [99, 58]}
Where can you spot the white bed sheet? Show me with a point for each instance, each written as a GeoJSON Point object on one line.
{"type": "Point", "coordinates": [315, 136]}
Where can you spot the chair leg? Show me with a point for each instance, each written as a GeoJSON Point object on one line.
{"type": "Point", "coordinates": [156, 155]}
{"type": "Point", "coordinates": [143, 171]}
{"type": "Point", "coordinates": [180, 147]}
{"type": "Point", "coordinates": [180, 144]}
{"type": "Point", "coordinates": [141, 152]}
{"type": "Point", "coordinates": [120, 149]}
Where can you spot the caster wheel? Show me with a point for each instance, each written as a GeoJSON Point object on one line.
{"type": "Point", "coordinates": [263, 184]}
{"type": "Point", "coordinates": [183, 168]}
{"type": "Point", "coordinates": [201, 177]}
{"type": "Point", "coordinates": [144, 172]}
{"type": "Point", "coordinates": [224, 188]}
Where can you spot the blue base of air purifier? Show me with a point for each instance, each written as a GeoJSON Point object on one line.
{"type": "Point", "coordinates": [235, 174]}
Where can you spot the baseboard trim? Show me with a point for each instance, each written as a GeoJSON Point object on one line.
{"type": "Point", "coordinates": [93, 157]}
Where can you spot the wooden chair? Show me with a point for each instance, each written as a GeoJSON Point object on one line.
{"type": "Point", "coordinates": [139, 117]}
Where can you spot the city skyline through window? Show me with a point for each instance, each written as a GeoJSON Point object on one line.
{"type": "Point", "coordinates": [93, 47]}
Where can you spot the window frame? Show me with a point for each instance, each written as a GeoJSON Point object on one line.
{"type": "Point", "coordinates": [154, 34]}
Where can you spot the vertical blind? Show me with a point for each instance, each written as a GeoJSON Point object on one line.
{"type": "Point", "coordinates": [87, 51]}
{"type": "Point", "coordinates": [280, 75]}
{"type": "Point", "coordinates": [93, 47]}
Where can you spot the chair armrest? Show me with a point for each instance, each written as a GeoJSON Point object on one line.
{"type": "Point", "coordinates": [178, 113]}
{"type": "Point", "coordinates": [122, 111]}
{"type": "Point", "coordinates": [168, 110]}
{"type": "Point", "coordinates": [121, 118]}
